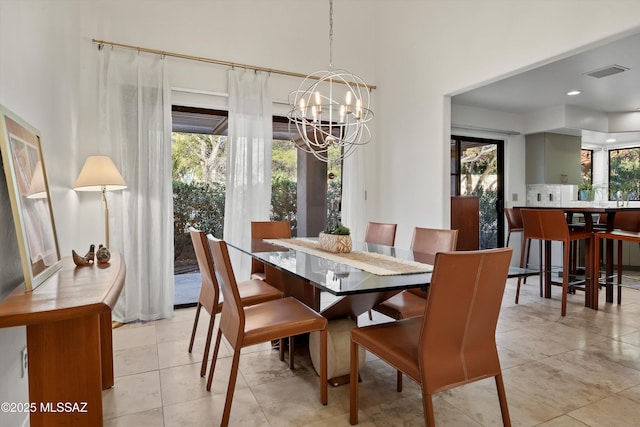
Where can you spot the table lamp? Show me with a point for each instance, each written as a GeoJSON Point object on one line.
{"type": "Point", "coordinates": [99, 173]}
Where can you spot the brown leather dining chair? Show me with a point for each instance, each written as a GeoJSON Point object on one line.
{"type": "Point", "coordinates": [267, 230]}
{"type": "Point", "coordinates": [412, 302]}
{"type": "Point", "coordinates": [551, 225]}
{"type": "Point", "coordinates": [271, 320]}
{"type": "Point", "coordinates": [380, 233]}
{"type": "Point", "coordinates": [252, 291]}
{"type": "Point", "coordinates": [454, 342]}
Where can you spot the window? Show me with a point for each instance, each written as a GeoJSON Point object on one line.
{"type": "Point", "coordinates": [586, 173]}
{"type": "Point", "coordinates": [199, 142]}
{"type": "Point", "coordinates": [624, 174]}
{"type": "Point", "coordinates": [198, 153]}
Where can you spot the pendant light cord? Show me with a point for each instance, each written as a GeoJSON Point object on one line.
{"type": "Point", "coordinates": [330, 34]}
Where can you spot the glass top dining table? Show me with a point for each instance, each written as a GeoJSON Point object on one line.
{"type": "Point", "coordinates": [341, 279]}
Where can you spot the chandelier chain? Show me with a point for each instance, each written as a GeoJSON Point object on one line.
{"type": "Point", "coordinates": [330, 110]}
{"type": "Point", "coordinates": [330, 34]}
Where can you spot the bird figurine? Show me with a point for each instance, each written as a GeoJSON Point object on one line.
{"type": "Point", "coordinates": [91, 254]}
{"type": "Point", "coordinates": [103, 255]}
{"type": "Point", "coordinates": [80, 260]}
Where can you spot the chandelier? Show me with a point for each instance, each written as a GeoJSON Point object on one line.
{"type": "Point", "coordinates": [330, 110]}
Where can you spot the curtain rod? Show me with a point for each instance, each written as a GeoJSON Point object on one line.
{"type": "Point", "coordinates": [211, 61]}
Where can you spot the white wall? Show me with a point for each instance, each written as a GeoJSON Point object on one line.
{"type": "Point", "coordinates": [430, 49]}
{"type": "Point", "coordinates": [288, 35]}
{"type": "Point", "coordinates": [38, 81]}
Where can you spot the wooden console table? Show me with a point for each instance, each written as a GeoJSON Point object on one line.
{"type": "Point", "coordinates": [68, 320]}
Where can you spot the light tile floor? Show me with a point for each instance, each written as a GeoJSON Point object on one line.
{"type": "Point", "coordinates": [580, 370]}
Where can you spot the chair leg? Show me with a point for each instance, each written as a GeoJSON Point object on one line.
{"type": "Point", "coordinates": [216, 347]}
{"type": "Point", "coordinates": [565, 277]}
{"type": "Point", "coordinates": [502, 397]}
{"type": "Point", "coordinates": [353, 385]}
{"type": "Point", "coordinates": [281, 349]}
{"type": "Point", "coordinates": [508, 237]}
{"type": "Point", "coordinates": [324, 380]}
{"type": "Point", "coordinates": [522, 257]}
{"type": "Point", "coordinates": [542, 268]}
{"type": "Point", "coordinates": [291, 353]}
{"type": "Point", "coordinates": [619, 271]}
{"type": "Point", "coordinates": [230, 389]}
{"type": "Point", "coordinates": [427, 404]}
{"type": "Point", "coordinates": [370, 315]}
{"type": "Point", "coordinates": [526, 264]}
{"type": "Point", "coordinates": [195, 326]}
{"type": "Point", "coordinates": [399, 381]}
{"type": "Point", "coordinates": [207, 345]}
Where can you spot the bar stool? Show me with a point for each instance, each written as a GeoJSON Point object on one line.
{"type": "Point", "coordinates": [551, 225]}
{"type": "Point", "coordinates": [626, 227]}
{"type": "Point", "coordinates": [514, 225]}
{"type": "Point", "coordinates": [514, 222]}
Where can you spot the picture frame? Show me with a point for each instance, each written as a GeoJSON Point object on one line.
{"type": "Point", "coordinates": [28, 189]}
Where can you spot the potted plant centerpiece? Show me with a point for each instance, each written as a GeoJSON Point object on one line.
{"type": "Point", "coordinates": [335, 239]}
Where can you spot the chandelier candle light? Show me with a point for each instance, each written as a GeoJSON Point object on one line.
{"type": "Point", "coordinates": [335, 116]}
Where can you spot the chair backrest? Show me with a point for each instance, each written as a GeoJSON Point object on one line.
{"type": "Point", "coordinates": [457, 344]}
{"type": "Point", "coordinates": [627, 220]}
{"type": "Point", "coordinates": [554, 224]}
{"type": "Point", "coordinates": [232, 316]}
{"type": "Point", "coordinates": [209, 291]}
{"type": "Point", "coordinates": [514, 218]}
{"type": "Point", "coordinates": [427, 242]}
{"type": "Point", "coordinates": [380, 233]}
{"type": "Point", "coordinates": [432, 240]}
{"type": "Point", "coordinates": [545, 224]}
{"type": "Point", "coordinates": [268, 230]}
{"type": "Point", "coordinates": [532, 227]}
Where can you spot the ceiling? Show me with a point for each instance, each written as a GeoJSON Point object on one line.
{"type": "Point", "coordinates": [547, 86]}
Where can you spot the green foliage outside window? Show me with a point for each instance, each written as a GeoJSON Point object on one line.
{"type": "Point", "coordinates": [199, 173]}
{"type": "Point", "coordinates": [478, 167]}
{"type": "Point", "coordinates": [284, 200]}
{"type": "Point", "coordinates": [199, 205]}
{"type": "Point", "coordinates": [624, 174]}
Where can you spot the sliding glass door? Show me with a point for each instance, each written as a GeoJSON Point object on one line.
{"type": "Point", "coordinates": [477, 169]}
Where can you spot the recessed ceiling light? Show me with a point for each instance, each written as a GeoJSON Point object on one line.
{"type": "Point", "coordinates": [611, 140]}
{"type": "Point", "coordinates": [573, 93]}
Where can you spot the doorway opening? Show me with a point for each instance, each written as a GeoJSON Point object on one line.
{"type": "Point", "coordinates": [477, 169]}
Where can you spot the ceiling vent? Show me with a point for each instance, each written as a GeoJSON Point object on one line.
{"type": "Point", "coordinates": [607, 71]}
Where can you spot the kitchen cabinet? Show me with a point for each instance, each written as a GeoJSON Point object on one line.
{"type": "Point", "coordinates": [553, 158]}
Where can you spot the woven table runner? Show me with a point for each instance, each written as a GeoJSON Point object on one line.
{"type": "Point", "coordinates": [381, 265]}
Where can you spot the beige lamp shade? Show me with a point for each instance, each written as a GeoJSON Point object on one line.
{"type": "Point", "coordinates": [99, 173]}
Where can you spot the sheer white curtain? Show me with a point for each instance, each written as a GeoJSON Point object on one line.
{"type": "Point", "coordinates": [135, 129]}
{"type": "Point", "coordinates": [354, 213]}
{"type": "Point", "coordinates": [248, 194]}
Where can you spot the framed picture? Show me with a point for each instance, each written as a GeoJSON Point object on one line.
{"type": "Point", "coordinates": [28, 190]}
